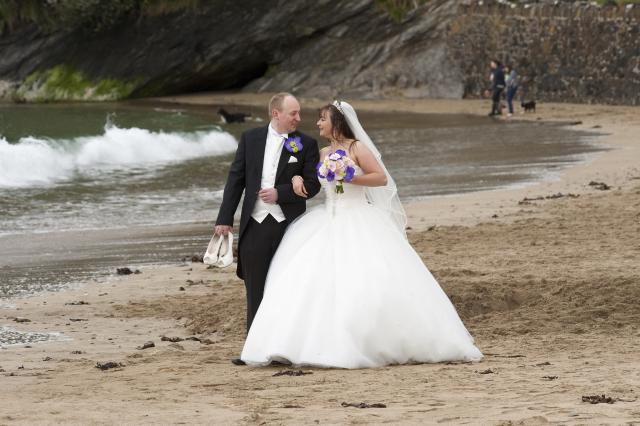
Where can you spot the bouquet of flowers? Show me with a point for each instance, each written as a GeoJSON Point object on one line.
{"type": "Point", "coordinates": [337, 167]}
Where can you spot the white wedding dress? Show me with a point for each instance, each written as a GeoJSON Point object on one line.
{"type": "Point", "coordinates": [345, 289]}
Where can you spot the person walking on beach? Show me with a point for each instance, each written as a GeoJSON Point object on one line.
{"type": "Point", "coordinates": [367, 300]}
{"type": "Point", "coordinates": [512, 81]}
{"type": "Point", "coordinates": [497, 86]}
{"type": "Point", "coordinates": [266, 161]}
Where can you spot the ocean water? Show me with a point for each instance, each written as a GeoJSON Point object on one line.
{"type": "Point", "coordinates": [88, 188]}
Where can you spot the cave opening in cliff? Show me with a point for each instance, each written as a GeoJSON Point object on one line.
{"type": "Point", "coordinates": [230, 79]}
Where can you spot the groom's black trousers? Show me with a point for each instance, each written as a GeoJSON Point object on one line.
{"type": "Point", "coordinates": [260, 242]}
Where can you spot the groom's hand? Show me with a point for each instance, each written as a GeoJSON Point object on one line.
{"type": "Point", "coordinates": [268, 195]}
{"type": "Point", "coordinates": [222, 230]}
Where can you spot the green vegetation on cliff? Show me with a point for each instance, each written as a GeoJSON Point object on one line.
{"type": "Point", "coordinates": [398, 9]}
{"type": "Point", "coordinates": [63, 83]}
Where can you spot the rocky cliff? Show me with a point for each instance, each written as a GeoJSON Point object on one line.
{"type": "Point", "coordinates": [327, 48]}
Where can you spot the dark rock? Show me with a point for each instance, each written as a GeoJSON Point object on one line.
{"type": "Point", "coordinates": [561, 195]}
{"type": "Point", "coordinates": [599, 185]}
{"type": "Point", "coordinates": [504, 356]}
{"type": "Point", "coordinates": [487, 371]}
{"type": "Point", "coordinates": [47, 358]}
{"type": "Point", "coordinates": [77, 352]}
{"type": "Point", "coordinates": [598, 399]}
{"type": "Point", "coordinates": [77, 319]}
{"type": "Point", "coordinates": [550, 377]}
{"type": "Point", "coordinates": [527, 200]}
{"type": "Point", "coordinates": [363, 405]}
{"type": "Point", "coordinates": [79, 302]}
{"type": "Point", "coordinates": [147, 345]}
{"type": "Point", "coordinates": [292, 373]}
{"type": "Point", "coordinates": [108, 365]}
{"type": "Point", "coordinates": [194, 259]}
{"type": "Point", "coordinates": [171, 339]}
{"type": "Point", "coordinates": [181, 288]}
{"type": "Point", "coordinates": [127, 271]}
{"type": "Point", "coordinates": [22, 320]}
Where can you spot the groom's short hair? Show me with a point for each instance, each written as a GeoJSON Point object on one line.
{"type": "Point", "coordinates": [277, 101]}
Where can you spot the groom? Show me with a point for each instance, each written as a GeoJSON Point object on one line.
{"type": "Point", "coordinates": [266, 161]}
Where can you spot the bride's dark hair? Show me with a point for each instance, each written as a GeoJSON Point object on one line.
{"type": "Point", "coordinates": [339, 123]}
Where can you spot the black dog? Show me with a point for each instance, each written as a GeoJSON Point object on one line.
{"type": "Point", "coordinates": [528, 106]}
{"type": "Point", "coordinates": [235, 117]}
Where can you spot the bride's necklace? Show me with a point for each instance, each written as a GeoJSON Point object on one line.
{"type": "Point", "coordinates": [336, 144]}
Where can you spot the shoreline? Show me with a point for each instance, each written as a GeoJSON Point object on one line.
{"type": "Point", "coordinates": [547, 288]}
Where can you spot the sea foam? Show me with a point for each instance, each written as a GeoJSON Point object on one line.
{"type": "Point", "coordinates": [42, 162]}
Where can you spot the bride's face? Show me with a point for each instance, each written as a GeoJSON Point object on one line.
{"type": "Point", "coordinates": [324, 125]}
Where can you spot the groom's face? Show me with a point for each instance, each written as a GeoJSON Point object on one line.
{"type": "Point", "coordinates": [288, 119]}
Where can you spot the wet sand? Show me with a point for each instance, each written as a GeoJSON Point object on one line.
{"type": "Point", "coordinates": [548, 287]}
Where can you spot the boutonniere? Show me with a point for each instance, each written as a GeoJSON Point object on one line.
{"type": "Point", "coordinates": [293, 144]}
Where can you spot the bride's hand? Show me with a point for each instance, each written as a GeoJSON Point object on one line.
{"type": "Point", "coordinates": [298, 186]}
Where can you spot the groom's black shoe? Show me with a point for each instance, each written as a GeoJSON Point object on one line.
{"type": "Point", "coordinates": [238, 361]}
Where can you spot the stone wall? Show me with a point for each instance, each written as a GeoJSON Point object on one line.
{"type": "Point", "coordinates": [565, 52]}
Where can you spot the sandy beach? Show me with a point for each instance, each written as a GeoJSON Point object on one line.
{"type": "Point", "coordinates": [546, 277]}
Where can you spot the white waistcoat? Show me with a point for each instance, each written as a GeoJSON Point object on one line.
{"type": "Point", "coordinates": [272, 151]}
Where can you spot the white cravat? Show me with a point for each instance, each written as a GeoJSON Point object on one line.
{"type": "Point", "coordinates": [272, 151]}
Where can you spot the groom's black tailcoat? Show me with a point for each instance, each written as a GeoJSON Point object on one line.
{"type": "Point", "coordinates": [245, 174]}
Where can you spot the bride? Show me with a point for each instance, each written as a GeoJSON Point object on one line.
{"type": "Point", "coordinates": [367, 300]}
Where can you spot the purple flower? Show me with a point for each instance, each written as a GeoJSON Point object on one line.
{"type": "Point", "coordinates": [350, 172]}
{"type": "Point", "coordinates": [293, 144]}
{"type": "Point", "coordinates": [318, 166]}
{"type": "Point", "coordinates": [341, 152]}
{"type": "Point", "coordinates": [330, 176]}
